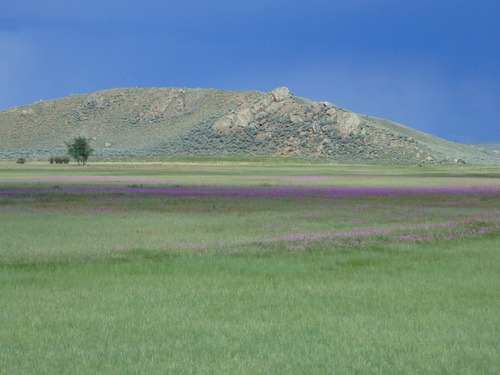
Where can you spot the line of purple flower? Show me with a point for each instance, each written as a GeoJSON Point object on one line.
{"type": "Point", "coordinates": [274, 191]}
{"type": "Point", "coordinates": [356, 235]}
{"type": "Point", "coordinates": [430, 237]}
{"type": "Point", "coordinates": [354, 242]}
{"type": "Point", "coordinates": [374, 231]}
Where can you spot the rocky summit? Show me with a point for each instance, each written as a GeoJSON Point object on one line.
{"type": "Point", "coordinates": [180, 122]}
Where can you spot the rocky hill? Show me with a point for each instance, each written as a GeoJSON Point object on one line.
{"type": "Point", "coordinates": [177, 122]}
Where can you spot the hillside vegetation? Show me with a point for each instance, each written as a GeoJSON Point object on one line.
{"type": "Point", "coordinates": [179, 122]}
{"type": "Point", "coordinates": [489, 146]}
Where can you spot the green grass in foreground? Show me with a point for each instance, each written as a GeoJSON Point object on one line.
{"type": "Point", "coordinates": [100, 284]}
{"type": "Point", "coordinates": [400, 309]}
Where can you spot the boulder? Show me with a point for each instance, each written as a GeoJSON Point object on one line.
{"type": "Point", "coordinates": [347, 123]}
{"type": "Point", "coordinates": [243, 118]}
{"type": "Point", "coordinates": [280, 94]}
{"type": "Point", "coordinates": [223, 124]}
{"type": "Point", "coordinates": [240, 119]}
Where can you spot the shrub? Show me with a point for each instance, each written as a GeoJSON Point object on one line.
{"type": "Point", "coordinates": [80, 149]}
{"type": "Point", "coordinates": [21, 161]}
{"type": "Point", "coordinates": [59, 159]}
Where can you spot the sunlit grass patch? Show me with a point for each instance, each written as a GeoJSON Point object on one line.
{"type": "Point", "coordinates": [394, 308]}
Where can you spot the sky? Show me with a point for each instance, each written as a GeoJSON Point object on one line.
{"type": "Point", "coordinates": [430, 65]}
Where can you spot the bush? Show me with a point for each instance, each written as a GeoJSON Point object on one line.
{"type": "Point", "coordinates": [59, 159]}
{"type": "Point", "coordinates": [80, 149]}
{"type": "Point", "coordinates": [21, 161]}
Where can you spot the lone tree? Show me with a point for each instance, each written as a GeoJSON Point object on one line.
{"type": "Point", "coordinates": [80, 149]}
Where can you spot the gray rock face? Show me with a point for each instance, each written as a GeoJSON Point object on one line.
{"type": "Point", "coordinates": [280, 94]}
{"type": "Point", "coordinates": [245, 115]}
{"type": "Point", "coordinates": [239, 119]}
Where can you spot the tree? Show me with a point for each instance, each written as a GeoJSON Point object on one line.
{"type": "Point", "coordinates": [80, 149]}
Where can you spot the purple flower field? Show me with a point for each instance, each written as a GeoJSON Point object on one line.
{"type": "Point", "coordinates": [347, 192]}
{"type": "Point", "coordinates": [289, 211]}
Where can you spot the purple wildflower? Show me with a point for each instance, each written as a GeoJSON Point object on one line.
{"type": "Point", "coordinates": [334, 192]}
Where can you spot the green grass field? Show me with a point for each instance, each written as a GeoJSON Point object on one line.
{"type": "Point", "coordinates": [125, 281]}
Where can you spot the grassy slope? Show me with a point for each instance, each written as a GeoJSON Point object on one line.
{"type": "Point", "coordinates": [115, 123]}
{"type": "Point", "coordinates": [443, 147]}
{"type": "Point", "coordinates": [488, 146]}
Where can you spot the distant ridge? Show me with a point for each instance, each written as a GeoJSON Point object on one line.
{"type": "Point", "coordinates": [180, 122]}
{"type": "Point", "coordinates": [488, 146]}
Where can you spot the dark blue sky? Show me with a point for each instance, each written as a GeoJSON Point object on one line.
{"type": "Point", "coordinates": [430, 65]}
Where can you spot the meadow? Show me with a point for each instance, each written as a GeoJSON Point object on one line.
{"type": "Point", "coordinates": [249, 267]}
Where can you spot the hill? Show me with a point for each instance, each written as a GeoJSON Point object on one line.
{"type": "Point", "coordinates": [177, 122]}
{"type": "Point", "coordinates": [488, 146]}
